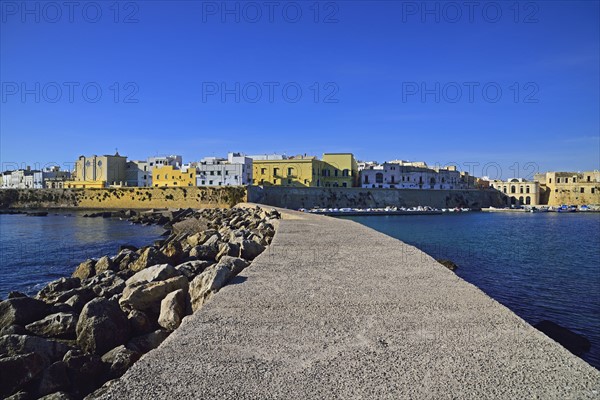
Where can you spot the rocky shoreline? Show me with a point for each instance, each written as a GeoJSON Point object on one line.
{"type": "Point", "coordinates": [80, 332]}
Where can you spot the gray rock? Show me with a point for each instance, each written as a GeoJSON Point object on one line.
{"type": "Point", "coordinates": [53, 379]}
{"type": "Point", "coordinates": [250, 249]}
{"type": "Point", "coordinates": [204, 252]}
{"type": "Point", "coordinates": [119, 360]}
{"type": "Point", "coordinates": [57, 396]}
{"type": "Point", "coordinates": [85, 270]}
{"type": "Point", "coordinates": [208, 282]}
{"type": "Point", "coordinates": [17, 371]}
{"type": "Point", "coordinates": [190, 269]}
{"type": "Point", "coordinates": [213, 241]}
{"type": "Point", "coordinates": [59, 325]}
{"type": "Point", "coordinates": [101, 326]}
{"type": "Point", "coordinates": [145, 343]}
{"type": "Point", "coordinates": [140, 323]}
{"type": "Point", "coordinates": [55, 288]}
{"type": "Point", "coordinates": [21, 311]}
{"type": "Point", "coordinates": [80, 298]}
{"type": "Point", "coordinates": [147, 296]}
{"type": "Point", "coordinates": [172, 310]}
{"type": "Point", "coordinates": [154, 273]}
{"type": "Point", "coordinates": [234, 264]}
{"type": "Point", "coordinates": [148, 257]}
{"type": "Point", "coordinates": [228, 249]}
{"type": "Point", "coordinates": [13, 330]}
{"type": "Point", "coordinates": [86, 372]}
{"type": "Point", "coordinates": [105, 264]}
{"type": "Point", "coordinates": [50, 350]}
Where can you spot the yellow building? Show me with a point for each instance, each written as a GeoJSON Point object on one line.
{"type": "Point", "coordinates": [571, 188]}
{"type": "Point", "coordinates": [296, 171]}
{"type": "Point", "coordinates": [334, 170]}
{"type": "Point", "coordinates": [99, 172]}
{"type": "Point", "coordinates": [340, 170]}
{"type": "Point", "coordinates": [168, 176]}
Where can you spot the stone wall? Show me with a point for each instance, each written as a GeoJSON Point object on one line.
{"type": "Point", "coordinates": [295, 198]}
{"type": "Point", "coordinates": [121, 198]}
{"type": "Point", "coordinates": [202, 197]}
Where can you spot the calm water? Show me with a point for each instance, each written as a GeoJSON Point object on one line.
{"type": "Point", "coordinates": [37, 250]}
{"type": "Point", "coordinates": [541, 266]}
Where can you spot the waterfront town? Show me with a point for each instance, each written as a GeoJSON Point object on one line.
{"type": "Point", "coordinates": [331, 170]}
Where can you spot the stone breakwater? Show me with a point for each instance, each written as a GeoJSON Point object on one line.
{"type": "Point", "coordinates": [79, 332]}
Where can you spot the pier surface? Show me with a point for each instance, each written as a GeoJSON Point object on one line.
{"type": "Point", "coordinates": [337, 310]}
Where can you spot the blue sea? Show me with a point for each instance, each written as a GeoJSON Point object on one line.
{"type": "Point", "coordinates": [540, 265]}
{"type": "Point", "coordinates": [37, 250]}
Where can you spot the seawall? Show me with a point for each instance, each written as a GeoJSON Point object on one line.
{"type": "Point", "coordinates": [121, 198]}
{"type": "Point", "coordinates": [285, 197]}
{"type": "Point", "coordinates": [295, 198]}
{"type": "Point", "coordinates": [333, 309]}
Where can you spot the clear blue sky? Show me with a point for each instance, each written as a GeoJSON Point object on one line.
{"type": "Point", "coordinates": [370, 62]}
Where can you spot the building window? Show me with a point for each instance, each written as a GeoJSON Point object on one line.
{"type": "Point", "coordinates": [218, 172]}
{"type": "Point", "coordinates": [289, 181]}
{"type": "Point", "coordinates": [574, 180]}
{"type": "Point", "coordinates": [520, 189]}
{"type": "Point", "coordinates": [210, 182]}
{"type": "Point", "coordinates": [263, 171]}
{"type": "Point", "coordinates": [528, 200]}
{"type": "Point", "coordinates": [344, 184]}
{"type": "Point", "coordinates": [581, 190]}
{"type": "Point", "coordinates": [366, 178]}
{"type": "Point", "coordinates": [203, 182]}
{"type": "Point", "coordinates": [588, 178]}
{"type": "Point", "coordinates": [290, 171]}
{"type": "Point", "coordinates": [549, 180]}
{"type": "Point", "coordinates": [275, 171]}
{"type": "Point", "coordinates": [592, 190]}
{"type": "Point", "coordinates": [335, 172]}
{"type": "Point", "coordinates": [212, 173]}
{"type": "Point", "coordinates": [527, 189]}
{"type": "Point", "coordinates": [379, 177]}
{"type": "Point", "coordinates": [345, 173]}
{"type": "Point", "coordinates": [513, 189]}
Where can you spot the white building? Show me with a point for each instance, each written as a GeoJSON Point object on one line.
{"type": "Point", "coordinates": [264, 157]}
{"type": "Point", "coordinates": [138, 173]}
{"type": "Point", "coordinates": [33, 179]}
{"type": "Point", "coordinates": [397, 176]}
{"type": "Point", "coordinates": [236, 170]}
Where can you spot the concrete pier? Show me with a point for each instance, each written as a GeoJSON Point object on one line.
{"type": "Point", "coordinates": [336, 310]}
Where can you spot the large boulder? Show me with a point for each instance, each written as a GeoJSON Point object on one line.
{"type": "Point", "coordinates": [147, 296]}
{"type": "Point", "coordinates": [213, 241]}
{"type": "Point", "coordinates": [172, 251]}
{"type": "Point", "coordinates": [145, 343]}
{"type": "Point", "coordinates": [119, 360]}
{"type": "Point", "coordinates": [59, 325]}
{"type": "Point", "coordinates": [228, 249]}
{"type": "Point", "coordinates": [21, 311]}
{"type": "Point", "coordinates": [251, 249]}
{"type": "Point", "coordinates": [234, 264]}
{"type": "Point", "coordinates": [101, 326]}
{"type": "Point", "coordinates": [85, 270]}
{"type": "Point", "coordinates": [148, 257]}
{"type": "Point", "coordinates": [80, 298]}
{"type": "Point", "coordinates": [154, 273]}
{"type": "Point", "coordinates": [140, 323]}
{"type": "Point", "coordinates": [105, 264]}
{"type": "Point", "coordinates": [172, 310]}
{"type": "Point", "coordinates": [53, 379]}
{"type": "Point", "coordinates": [50, 350]}
{"type": "Point", "coordinates": [19, 370]}
{"type": "Point", "coordinates": [208, 282]}
{"type": "Point", "coordinates": [85, 371]}
{"type": "Point", "coordinates": [190, 269]}
{"type": "Point", "coordinates": [204, 252]}
{"type": "Point", "coordinates": [55, 288]}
